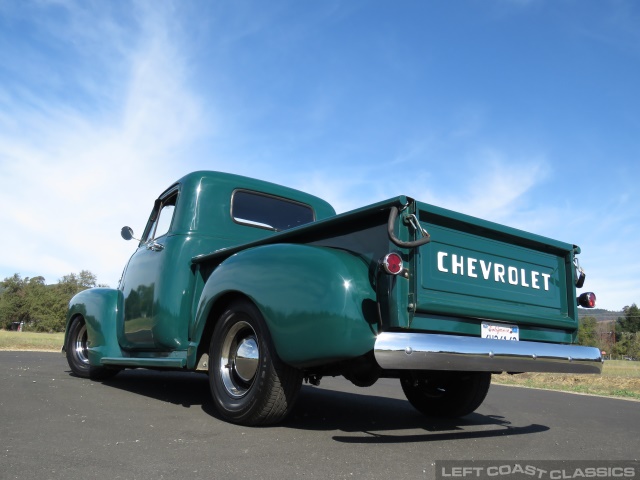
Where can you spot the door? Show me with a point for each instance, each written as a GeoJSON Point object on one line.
{"type": "Point", "coordinates": [142, 276]}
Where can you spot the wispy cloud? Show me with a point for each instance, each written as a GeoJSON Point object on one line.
{"type": "Point", "coordinates": [490, 184]}
{"type": "Point", "coordinates": [69, 169]}
{"type": "Point", "coordinates": [104, 104]}
{"type": "Point", "coordinates": [493, 185]}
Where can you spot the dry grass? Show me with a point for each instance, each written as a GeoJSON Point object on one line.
{"type": "Point", "coordinates": [619, 378]}
{"type": "Point", "coordinates": [43, 342]}
{"type": "Point", "coordinates": [623, 368]}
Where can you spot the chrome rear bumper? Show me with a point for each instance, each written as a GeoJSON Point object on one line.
{"type": "Point", "coordinates": [423, 351]}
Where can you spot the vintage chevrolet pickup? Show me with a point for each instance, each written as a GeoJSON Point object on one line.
{"type": "Point", "coordinates": [262, 287]}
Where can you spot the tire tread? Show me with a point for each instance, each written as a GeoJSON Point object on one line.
{"type": "Point", "coordinates": [461, 399]}
{"type": "Point", "coordinates": [273, 394]}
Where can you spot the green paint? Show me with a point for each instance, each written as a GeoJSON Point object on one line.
{"type": "Point", "coordinates": [318, 285]}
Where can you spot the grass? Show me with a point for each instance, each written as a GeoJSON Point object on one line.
{"type": "Point", "coordinates": [622, 368]}
{"type": "Point", "coordinates": [620, 378]}
{"type": "Point", "coordinates": [44, 342]}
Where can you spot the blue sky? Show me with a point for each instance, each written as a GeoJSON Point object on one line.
{"type": "Point", "coordinates": [523, 112]}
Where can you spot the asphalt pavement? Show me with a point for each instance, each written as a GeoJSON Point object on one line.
{"type": "Point", "coordinates": [156, 425]}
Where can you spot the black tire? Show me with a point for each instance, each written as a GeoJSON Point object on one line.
{"type": "Point", "coordinates": [250, 385]}
{"type": "Point", "coordinates": [446, 394]}
{"type": "Point", "coordinates": [78, 353]}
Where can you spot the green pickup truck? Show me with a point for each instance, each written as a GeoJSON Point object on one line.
{"type": "Point", "coordinates": [264, 287]}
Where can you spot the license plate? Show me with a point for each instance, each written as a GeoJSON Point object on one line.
{"type": "Point", "coordinates": [500, 331]}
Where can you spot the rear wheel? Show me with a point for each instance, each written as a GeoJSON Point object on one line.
{"type": "Point", "coordinates": [446, 394]}
{"type": "Point", "coordinates": [77, 349]}
{"type": "Point", "coordinates": [250, 385]}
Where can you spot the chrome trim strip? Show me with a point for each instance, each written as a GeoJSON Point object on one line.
{"type": "Point", "coordinates": [425, 351]}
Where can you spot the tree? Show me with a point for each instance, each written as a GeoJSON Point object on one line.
{"type": "Point", "coordinates": [628, 332]}
{"type": "Point", "coordinates": [630, 323]}
{"type": "Point", "coordinates": [605, 332]}
{"type": "Point", "coordinates": [634, 350]}
{"type": "Point", "coordinates": [40, 306]}
{"type": "Point", "coordinates": [628, 345]}
{"type": "Point", "coordinates": [12, 301]}
{"type": "Point", "coordinates": [72, 283]}
{"type": "Point", "coordinates": [587, 332]}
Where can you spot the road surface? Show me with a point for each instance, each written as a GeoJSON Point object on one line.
{"type": "Point", "coordinates": [151, 425]}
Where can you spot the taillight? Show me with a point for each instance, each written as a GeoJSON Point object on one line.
{"type": "Point", "coordinates": [587, 300]}
{"type": "Point", "coordinates": [392, 263]}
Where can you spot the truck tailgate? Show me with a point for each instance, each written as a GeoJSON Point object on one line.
{"type": "Point", "coordinates": [482, 270]}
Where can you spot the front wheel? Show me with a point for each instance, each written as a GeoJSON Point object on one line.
{"type": "Point", "coordinates": [250, 385]}
{"type": "Point", "coordinates": [446, 394]}
{"type": "Point", "coordinates": [77, 349]}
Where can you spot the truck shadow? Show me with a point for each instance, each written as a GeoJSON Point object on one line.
{"type": "Point", "coordinates": [376, 419]}
{"type": "Point", "coordinates": [390, 420]}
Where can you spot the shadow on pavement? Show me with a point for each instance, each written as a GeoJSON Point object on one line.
{"type": "Point", "coordinates": [390, 420]}
{"type": "Point", "coordinates": [380, 419]}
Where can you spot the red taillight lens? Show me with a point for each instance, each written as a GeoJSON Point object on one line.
{"type": "Point", "coordinates": [587, 300]}
{"type": "Point", "coordinates": [392, 263]}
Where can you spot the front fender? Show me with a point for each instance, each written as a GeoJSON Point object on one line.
{"type": "Point", "coordinates": [102, 310]}
{"type": "Point", "coordinates": [318, 302]}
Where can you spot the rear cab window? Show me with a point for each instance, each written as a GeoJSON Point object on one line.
{"type": "Point", "coordinates": [261, 210]}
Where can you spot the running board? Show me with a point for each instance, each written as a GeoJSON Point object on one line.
{"type": "Point", "coordinates": [172, 362]}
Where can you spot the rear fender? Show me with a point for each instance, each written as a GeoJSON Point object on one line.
{"type": "Point", "coordinates": [318, 302]}
{"type": "Point", "coordinates": [102, 310]}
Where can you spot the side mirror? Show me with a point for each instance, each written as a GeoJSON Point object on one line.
{"type": "Point", "coordinates": [126, 233]}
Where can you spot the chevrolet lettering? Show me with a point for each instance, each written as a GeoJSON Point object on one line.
{"type": "Point", "coordinates": [261, 288]}
{"type": "Point", "coordinates": [492, 271]}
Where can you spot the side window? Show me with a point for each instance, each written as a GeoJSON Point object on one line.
{"type": "Point", "coordinates": [161, 218]}
{"type": "Point", "coordinates": [164, 221]}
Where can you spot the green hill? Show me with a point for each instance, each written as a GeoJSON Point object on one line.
{"type": "Point", "coordinates": [600, 314]}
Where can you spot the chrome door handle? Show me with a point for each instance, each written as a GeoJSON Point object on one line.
{"type": "Point", "coordinates": [155, 246]}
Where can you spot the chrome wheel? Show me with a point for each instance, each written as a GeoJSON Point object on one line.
{"type": "Point", "coordinates": [80, 345]}
{"type": "Point", "coordinates": [239, 358]}
{"type": "Point", "coordinates": [249, 384]}
{"type": "Point", "coordinates": [77, 349]}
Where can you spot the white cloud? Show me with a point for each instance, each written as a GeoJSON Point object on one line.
{"type": "Point", "coordinates": [70, 171]}
{"type": "Point", "coordinates": [97, 116]}
{"type": "Point", "coordinates": [493, 185]}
